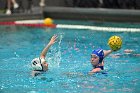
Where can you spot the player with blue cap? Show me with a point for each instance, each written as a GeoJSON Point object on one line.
{"type": "Point", "coordinates": [97, 57]}
{"type": "Point", "coordinates": [99, 52]}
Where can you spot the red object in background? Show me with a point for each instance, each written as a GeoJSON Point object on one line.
{"type": "Point", "coordinates": [29, 25]}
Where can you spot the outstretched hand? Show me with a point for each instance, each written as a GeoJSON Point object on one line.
{"type": "Point", "coordinates": [53, 40]}
{"type": "Point", "coordinates": [44, 51]}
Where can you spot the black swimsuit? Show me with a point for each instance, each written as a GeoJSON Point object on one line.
{"type": "Point", "coordinates": [101, 67]}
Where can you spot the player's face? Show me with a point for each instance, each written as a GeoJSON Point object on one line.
{"type": "Point", "coordinates": [94, 59]}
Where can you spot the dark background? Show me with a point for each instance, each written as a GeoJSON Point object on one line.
{"type": "Point", "coordinates": [119, 4]}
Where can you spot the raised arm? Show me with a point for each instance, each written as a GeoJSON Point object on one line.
{"type": "Point", "coordinates": [45, 50]}
{"type": "Point", "coordinates": [107, 52]}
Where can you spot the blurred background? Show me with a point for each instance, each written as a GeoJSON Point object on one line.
{"type": "Point", "coordinates": [9, 7]}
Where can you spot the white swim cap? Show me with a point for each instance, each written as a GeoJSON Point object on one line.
{"type": "Point", "coordinates": [36, 64]}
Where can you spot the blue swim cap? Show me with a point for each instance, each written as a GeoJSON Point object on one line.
{"type": "Point", "coordinates": [99, 52]}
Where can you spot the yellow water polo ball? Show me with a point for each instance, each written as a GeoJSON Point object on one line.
{"type": "Point", "coordinates": [48, 21]}
{"type": "Point", "coordinates": [115, 43]}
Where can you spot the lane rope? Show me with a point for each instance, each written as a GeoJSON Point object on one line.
{"type": "Point", "coordinates": [109, 29]}
{"type": "Point", "coordinates": [39, 23]}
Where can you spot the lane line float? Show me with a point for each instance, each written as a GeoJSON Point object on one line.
{"type": "Point", "coordinates": [41, 23]}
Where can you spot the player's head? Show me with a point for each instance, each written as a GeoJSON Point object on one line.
{"type": "Point", "coordinates": [99, 54]}
{"type": "Point", "coordinates": [36, 64]}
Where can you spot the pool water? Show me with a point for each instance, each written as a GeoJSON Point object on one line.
{"type": "Point", "coordinates": [69, 61]}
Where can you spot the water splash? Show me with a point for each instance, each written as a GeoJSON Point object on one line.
{"type": "Point", "coordinates": [56, 58]}
{"type": "Point", "coordinates": [58, 54]}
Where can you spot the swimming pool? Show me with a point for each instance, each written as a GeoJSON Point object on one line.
{"type": "Point", "coordinates": [69, 61]}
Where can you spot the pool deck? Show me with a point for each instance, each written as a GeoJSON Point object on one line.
{"type": "Point", "coordinates": [20, 16]}
{"type": "Point", "coordinates": [68, 13]}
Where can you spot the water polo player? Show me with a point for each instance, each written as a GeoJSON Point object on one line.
{"type": "Point", "coordinates": [97, 56]}
{"type": "Point", "coordinates": [39, 65]}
